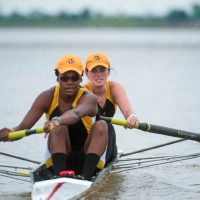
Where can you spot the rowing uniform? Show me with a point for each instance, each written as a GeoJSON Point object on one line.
{"type": "Point", "coordinates": [77, 132]}
{"type": "Point", "coordinates": [108, 110]}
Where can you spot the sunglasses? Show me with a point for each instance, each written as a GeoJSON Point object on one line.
{"type": "Point", "coordinates": [71, 78]}
{"type": "Point", "coordinates": [101, 70]}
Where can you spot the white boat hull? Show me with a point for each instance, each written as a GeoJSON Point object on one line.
{"type": "Point", "coordinates": [64, 188]}
{"type": "Point", "coordinates": [60, 188]}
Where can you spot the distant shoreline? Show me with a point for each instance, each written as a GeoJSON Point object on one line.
{"type": "Point", "coordinates": [176, 18]}
{"type": "Point", "coordinates": [99, 22]}
{"type": "Point", "coordinates": [177, 25]}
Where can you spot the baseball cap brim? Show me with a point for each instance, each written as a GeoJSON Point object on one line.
{"type": "Point", "coordinates": [93, 65]}
{"type": "Point", "coordinates": [64, 70]}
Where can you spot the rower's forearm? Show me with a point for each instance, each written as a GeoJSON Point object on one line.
{"type": "Point", "coordinates": [17, 128]}
{"type": "Point", "coordinates": [69, 118]}
{"type": "Point", "coordinates": [127, 113]}
{"type": "Point", "coordinates": [73, 116]}
{"type": "Point", "coordinates": [22, 126]}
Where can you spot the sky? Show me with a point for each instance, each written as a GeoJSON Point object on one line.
{"type": "Point", "coordinates": [109, 7]}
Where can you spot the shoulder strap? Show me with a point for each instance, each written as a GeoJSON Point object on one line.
{"type": "Point", "coordinates": [108, 94]}
{"type": "Point", "coordinates": [54, 102]}
{"type": "Point", "coordinates": [79, 94]}
{"type": "Point", "coordinates": [89, 87]}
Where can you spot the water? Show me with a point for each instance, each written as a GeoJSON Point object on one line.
{"type": "Point", "coordinates": [158, 67]}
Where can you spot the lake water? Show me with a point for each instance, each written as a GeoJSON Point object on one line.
{"type": "Point", "coordinates": [160, 69]}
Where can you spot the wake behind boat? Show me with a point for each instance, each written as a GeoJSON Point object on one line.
{"type": "Point", "coordinates": [46, 187]}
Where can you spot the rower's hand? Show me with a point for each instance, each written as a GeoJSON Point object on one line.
{"type": "Point", "coordinates": [50, 126]}
{"type": "Point", "coordinates": [4, 134]}
{"type": "Point", "coordinates": [132, 121]}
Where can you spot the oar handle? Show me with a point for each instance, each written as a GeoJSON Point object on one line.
{"type": "Point", "coordinates": [116, 121]}
{"type": "Point", "coordinates": [22, 133]}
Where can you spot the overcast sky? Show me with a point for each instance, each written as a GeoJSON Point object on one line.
{"type": "Point", "coordinates": [134, 7]}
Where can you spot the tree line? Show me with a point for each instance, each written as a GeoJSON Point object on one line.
{"type": "Point", "coordinates": [86, 17]}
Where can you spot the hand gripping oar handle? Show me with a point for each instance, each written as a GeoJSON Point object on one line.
{"type": "Point", "coordinates": [156, 129]}
{"type": "Point", "coordinates": [19, 134]}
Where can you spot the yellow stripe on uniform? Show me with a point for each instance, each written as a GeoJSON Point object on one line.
{"type": "Point", "coordinates": [108, 95]}
{"type": "Point", "coordinates": [87, 120]}
{"type": "Point", "coordinates": [48, 162]}
{"type": "Point", "coordinates": [100, 164]}
{"type": "Point", "coordinates": [54, 103]}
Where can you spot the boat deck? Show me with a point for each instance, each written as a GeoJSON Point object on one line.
{"type": "Point", "coordinates": [45, 186]}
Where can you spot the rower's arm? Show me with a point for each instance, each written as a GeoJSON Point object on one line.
{"type": "Point", "coordinates": [38, 108]}
{"type": "Point", "coordinates": [120, 98]}
{"type": "Point", "coordinates": [87, 106]}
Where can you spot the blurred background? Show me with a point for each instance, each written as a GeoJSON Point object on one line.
{"type": "Point", "coordinates": [154, 50]}
{"type": "Point", "coordinates": [112, 13]}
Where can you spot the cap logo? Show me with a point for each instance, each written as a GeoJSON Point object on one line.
{"type": "Point", "coordinates": [70, 61]}
{"type": "Point", "coordinates": [97, 58]}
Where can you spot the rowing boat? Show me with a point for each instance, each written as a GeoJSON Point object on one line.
{"type": "Point", "coordinates": [45, 187]}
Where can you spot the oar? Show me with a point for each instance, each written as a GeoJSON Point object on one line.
{"type": "Point", "coordinates": [20, 134]}
{"type": "Point", "coordinates": [152, 147]}
{"type": "Point", "coordinates": [20, 158]}
{"type": "Point", "coordinates": [156, 129]}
